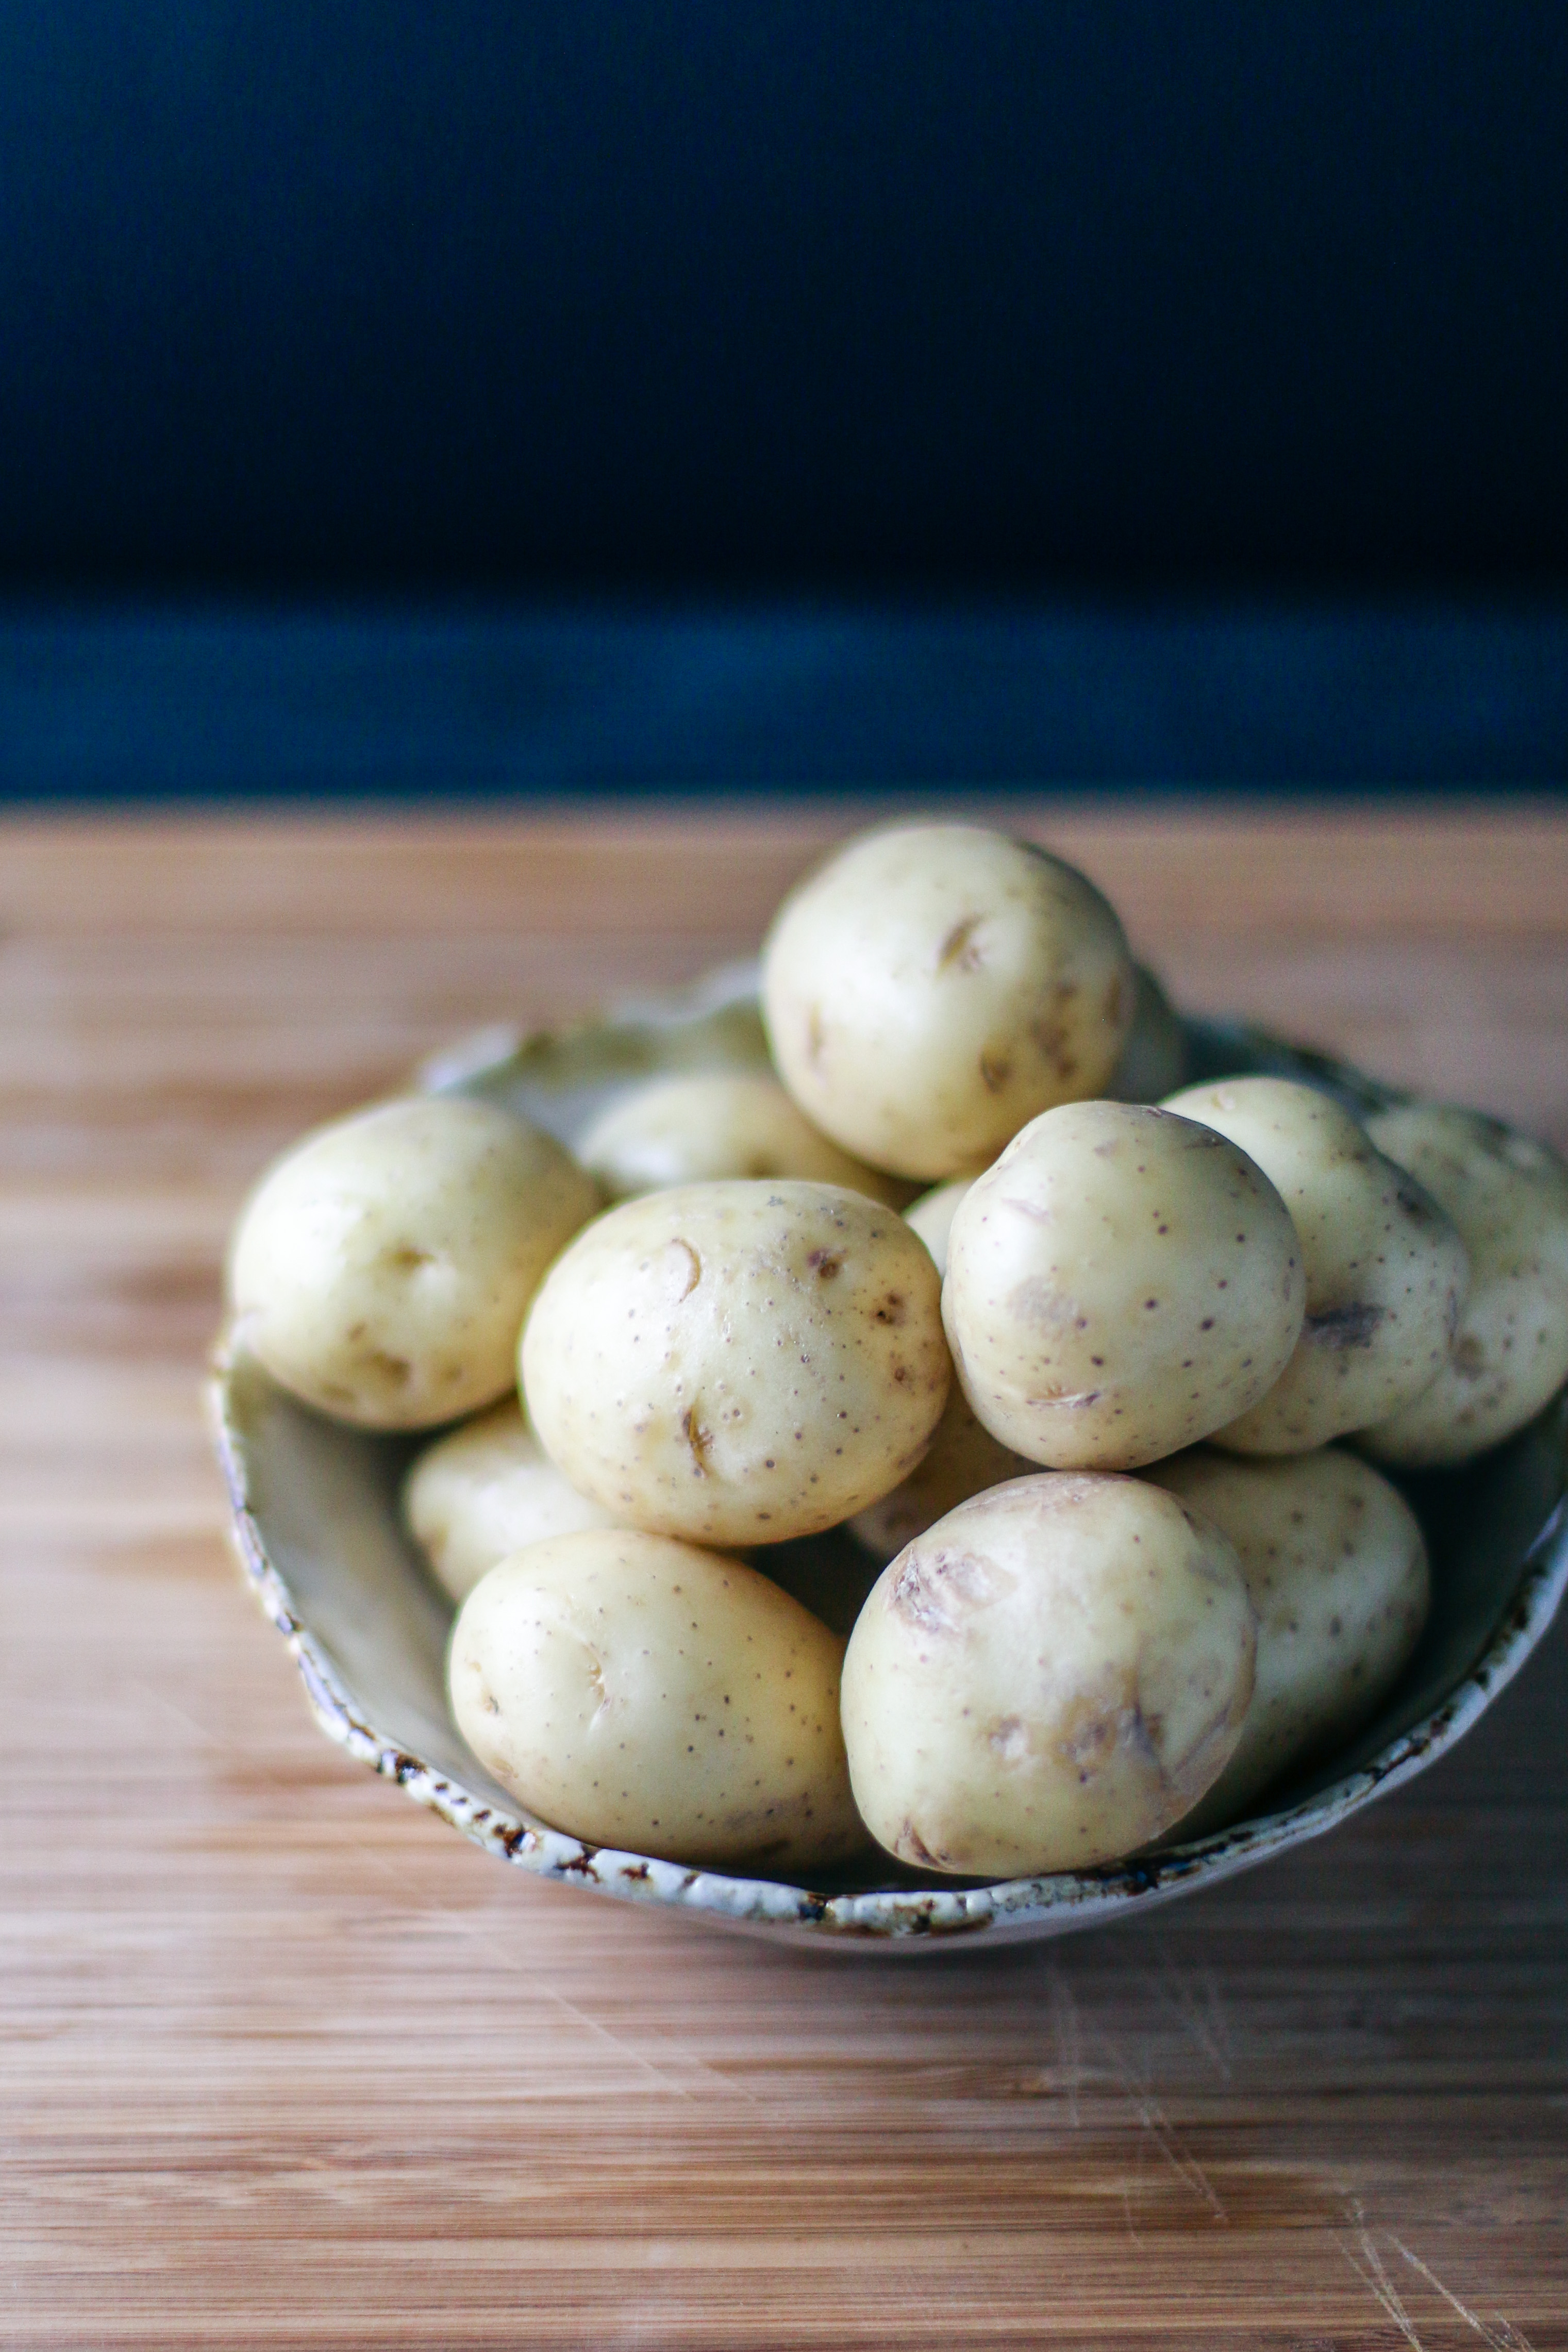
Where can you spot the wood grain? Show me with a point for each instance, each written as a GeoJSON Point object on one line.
{"type": "Point", "coordinates": [286, 2064]}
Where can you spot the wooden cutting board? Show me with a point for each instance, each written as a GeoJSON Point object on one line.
{"type": "Point", "coordinates": [285, 2064]}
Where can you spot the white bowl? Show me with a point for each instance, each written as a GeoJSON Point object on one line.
{"type": "Point", "coordinates": [317, 1530]}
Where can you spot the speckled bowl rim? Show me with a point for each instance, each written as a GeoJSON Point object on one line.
{"type": "Point", "coordinates": [899, 1918]}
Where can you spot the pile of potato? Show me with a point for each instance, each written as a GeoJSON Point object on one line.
{"type": "Point", "coordinates": [1082, 1398]}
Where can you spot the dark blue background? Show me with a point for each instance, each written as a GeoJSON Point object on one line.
{"type": "Point", "coordinates": [390, 706]}
{"type": "Point", "coordinates": [824, 295]}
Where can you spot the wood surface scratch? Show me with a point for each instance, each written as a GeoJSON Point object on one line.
{"type": "Point", "coordinates": [1502, 2338]}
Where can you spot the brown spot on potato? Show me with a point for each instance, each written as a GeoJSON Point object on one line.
{"type": "Point", "coordinates": [690, 1275]}
{"type": "Point", "coordinates": [913, 1847]}
{"type": "Point", "coordinates": [937, 1590]}
{"type": "Point", "coordinates": [959, 950]}
{"type": "Point", "coordinates": [698, 1439]}
{"type": "Point", "coordinates": [1341, 1327]}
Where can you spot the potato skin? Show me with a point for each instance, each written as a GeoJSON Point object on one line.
{"type": "Point", "coordinates": [1336, 1567]}
{"type": "Point", "coordinates": [738, 1363]}
{"type": "Point", "coordinates": [962, 1459]}
{"type": "Point", "coordinates": [1120, 1283]}
{"type": "Point", "coordinates": [484, 1491]}
{"type": "Point", "coordinates": [640, 1693]}
{"type": "Point", "coordinates": [1387, 1271]}
{"type": "Point", "coordinates": [701, 1125]}
{"type": "Point", "coordinates": [382, 1269]}
{"type": "Point", "coordinates": [933, 1214]}
{"type": "Point", "coordinates": [1048, 1678]}
{"type": "Point", "coordinates": [1508, 1194]}
{"type": "Point", "coordinates": [934, 986]}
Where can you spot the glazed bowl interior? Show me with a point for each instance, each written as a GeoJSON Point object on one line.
{"type": "Point", "coordinates": [317, 1530]}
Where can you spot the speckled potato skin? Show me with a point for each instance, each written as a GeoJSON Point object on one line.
{"type": "Point", "coordinates": [962, 1459]}
{"type": "Point", "coordinates": [699, 1127]}
{"type": "Point", "coordinates": [1336, 1568]}
{"type": "Point", "coordinates": [933, 1214]}
{"type": "Point", "coordinates": [738, 1363]}
{"type": "Point", "coordinates": [641, 1694]}
{"type": "Point", "coordinates": [1048, 1678]}
{"type": "Point", "coordinates": [382, 1269]}
{"type": "Point", "coordinates": [1508, 1197]}
{"type": "Point", "coordinates": [1387, 1271]}
{"type": "Point", "coordinates": [484, 1491]}
{"type": "Point", "coordinates": [934, 986]}
{"type": "Point", "coordinates": [1120, 1283]}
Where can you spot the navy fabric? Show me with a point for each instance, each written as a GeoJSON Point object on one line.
{"type": "Point", "coordinates": [785, 295]}
{"type": "Point", "coordinates": [386, 706]}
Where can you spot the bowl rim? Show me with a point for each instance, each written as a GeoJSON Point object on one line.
{"type": "Point", "coordinates": [900, 1918]}
{"type": "Point", "coordinates": [1005, 1909]}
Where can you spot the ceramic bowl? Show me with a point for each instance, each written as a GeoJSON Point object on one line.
{"type": "Point", "coordinates": [317, 1529]}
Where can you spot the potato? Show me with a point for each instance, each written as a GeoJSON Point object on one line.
{"type": "Point", "coordinates": [1048, 1678]}
{"type": "Point", "coordinates": [934, 986]}
{"type": "Point", "coordinates": [1336, 1567]}
{"type": "Point", "coordinates": [642, 1693]}
{"type": "Point", "coordinates": [382, 1269]}
{"type": "Point", "coordinates": [962, 1459]}
{"type": "Point", "coordinates": [1154, 1059]}
{"type": "Point", "coordinates": [691, 1128]}
{"type": "Point", "coordinates": [484, 1491]}
{"type": "Point", "coordinates": [1120, 1283]}
{"type": "Point", "coordinates": [1508, 1197]}
{"type": "Point", "coordinates": [933, 1214]}
{"type": "Point", "coordinates": [738, 1362]}
{"type": "Point", "coordinates": [1386, 1272]}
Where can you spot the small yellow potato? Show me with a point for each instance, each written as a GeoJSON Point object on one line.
{"type": "Point", "coordinates": [382, 1269]}
{"type": "Point", "coordinates": [1335, 1564]}
{"type": "Point", "coordinates": [934, 986]}
{"type": "Point", "coordinates": [1386, 1272]}
{"type": "Point", "coordinates": [641, 1694]}
{"type": "Point", "coordinates": [695, 1127]}
{"type": "Point", "coordinates": [933, 1214]}
{"type": "Point", "coordinates": [1120, 1283]}
{"type": "Point", "coordinates": [964, 1459]}
{"type": "Point", "coordinates": [737, 1362]}
{"type": "Point", "coordinates": [484, 1491]}
{"type": "Point", "coordinates": [1508, 1197]}
{"type": "Point", "coordinates": [1154, 1059]}
{"type": "Point", "coordinates": [1048, 1678]}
